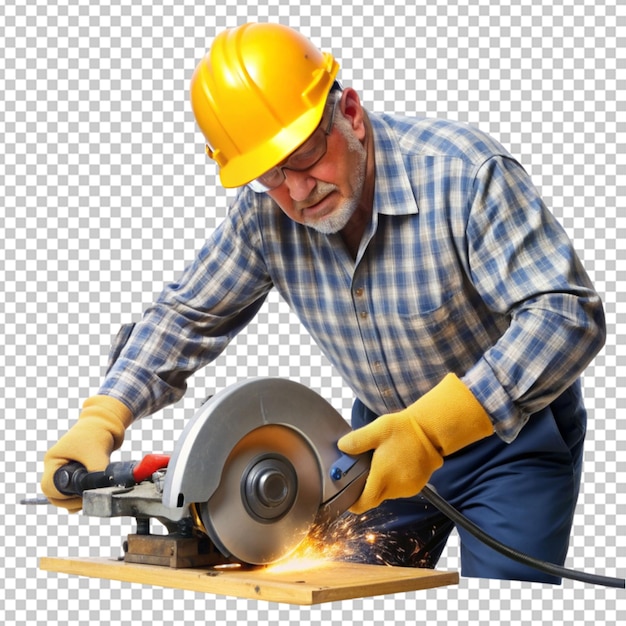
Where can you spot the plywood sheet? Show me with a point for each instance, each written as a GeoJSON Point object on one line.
{"type": "Point", "coordinates": [325, 582]}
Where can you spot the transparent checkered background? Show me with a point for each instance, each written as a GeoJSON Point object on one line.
{"type": "Point", "coordinates": [106, 193]}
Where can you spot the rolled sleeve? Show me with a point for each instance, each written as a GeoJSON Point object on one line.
{"type": "Point", "coordinates": [524, 265]}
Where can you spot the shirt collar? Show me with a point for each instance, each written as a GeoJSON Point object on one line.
{"type": "Point", "coordinates": [393, 194]}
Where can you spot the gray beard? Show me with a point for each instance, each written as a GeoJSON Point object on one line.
{"type": "Point", "coordinates": [337, 221]}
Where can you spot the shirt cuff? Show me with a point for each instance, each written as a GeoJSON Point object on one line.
{"type": "Point", "coordinates": [508, 419]}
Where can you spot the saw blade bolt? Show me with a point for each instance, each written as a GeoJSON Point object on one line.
{"type": "Point", "coordinates": [269, 487]}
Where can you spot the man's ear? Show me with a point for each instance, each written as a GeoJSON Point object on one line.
{"type": "Point", "coordinates": [351, 108]}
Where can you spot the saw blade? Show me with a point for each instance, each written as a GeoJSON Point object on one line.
{"type": "Point", "coordinates": [268, 496]}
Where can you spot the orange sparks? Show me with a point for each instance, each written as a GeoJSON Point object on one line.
{"type": "Point", "coordinates": [342, 540]}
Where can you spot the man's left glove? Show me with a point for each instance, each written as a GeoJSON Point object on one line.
{"type": "Point", "coordinates": [410, 445]}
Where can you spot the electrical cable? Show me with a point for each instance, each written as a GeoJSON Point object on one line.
{"type": "Point", "coordinates": [458, 518]}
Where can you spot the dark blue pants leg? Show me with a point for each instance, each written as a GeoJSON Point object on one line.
{"type": "Point", "coordinates": [523, 494]}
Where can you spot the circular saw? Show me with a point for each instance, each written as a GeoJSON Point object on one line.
{"type": "Point", "coordinates": [259, 466]}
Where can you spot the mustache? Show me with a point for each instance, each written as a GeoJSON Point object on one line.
{"type": "Point", "coordinates": [319, 192]}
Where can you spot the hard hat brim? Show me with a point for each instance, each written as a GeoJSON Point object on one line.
{"type": "Point", "coordinates": [242, 169]}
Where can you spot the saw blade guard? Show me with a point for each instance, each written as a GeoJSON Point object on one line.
{"type": "Point", "coordinates": [260, 461]}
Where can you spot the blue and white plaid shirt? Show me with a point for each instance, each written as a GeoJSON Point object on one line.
{"type": "Point", "coordinates": [462, 269]}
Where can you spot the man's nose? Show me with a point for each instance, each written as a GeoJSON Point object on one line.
{"type": "Point", "coordinates": [299, 184]}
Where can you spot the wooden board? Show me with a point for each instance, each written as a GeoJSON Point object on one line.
{"type": "Point", "coordinates": [326, 582]}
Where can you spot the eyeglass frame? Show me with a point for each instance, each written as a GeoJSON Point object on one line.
{"type": "Point", "coordinates": [257, 186]}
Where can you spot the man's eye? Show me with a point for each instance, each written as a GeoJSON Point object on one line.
{"type": "Point", "coordinates": [305, 157]}
{"type": "Point", "coordinates": [306, 154]}
{"type": "Point", "coordinates": [271, 177]}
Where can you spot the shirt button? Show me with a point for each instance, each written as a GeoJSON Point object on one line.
{"type": "Point", "coordinates": [359, 291]}
{"type": "Point", "coordinates": [363, 314]}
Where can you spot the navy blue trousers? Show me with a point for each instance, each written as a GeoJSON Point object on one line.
{"type": "Point", "coordinates": [523, 494]}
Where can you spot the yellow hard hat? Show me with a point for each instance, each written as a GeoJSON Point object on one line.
{"type": "Point", "coordinates": [257, 95]}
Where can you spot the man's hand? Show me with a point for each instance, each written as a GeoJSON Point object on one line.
{"type": "Point", "coordinates": [97, 433]}
{"type": "Point", "coordinates": [410, 445]}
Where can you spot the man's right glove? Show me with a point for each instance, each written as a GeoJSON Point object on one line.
{"type": "Point", "coordinates": [97, 433]}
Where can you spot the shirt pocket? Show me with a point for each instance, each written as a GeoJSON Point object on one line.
{"type": "Point", "coordinates": [450, 337]}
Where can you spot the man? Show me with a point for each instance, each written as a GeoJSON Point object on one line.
{"type": "Point", "coordinates": [419, 256]}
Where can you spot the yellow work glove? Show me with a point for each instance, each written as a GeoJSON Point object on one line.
{"type": "Point", "coordinates": [410, 445]}
{"type": "Point", "coordinates": [99, 430]}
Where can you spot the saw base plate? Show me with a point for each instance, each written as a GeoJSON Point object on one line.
{"type": "Point", "coordinates": [329, 581]}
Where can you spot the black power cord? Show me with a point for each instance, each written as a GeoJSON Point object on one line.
{"type": "Point", "coordinates": [549, 568]}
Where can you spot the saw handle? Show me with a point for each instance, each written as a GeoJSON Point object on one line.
{"type": "Point", "coordinates": [72, 479]}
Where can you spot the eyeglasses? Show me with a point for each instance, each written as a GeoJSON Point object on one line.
{"type": "Point", "coordinates": [304, 158]}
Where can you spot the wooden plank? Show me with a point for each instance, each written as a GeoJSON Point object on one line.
{"type": "Point", "coordinates": [325, 582]}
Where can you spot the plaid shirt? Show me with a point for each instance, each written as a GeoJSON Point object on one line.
{"type": "Point", "coordinates": [462, 270]}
